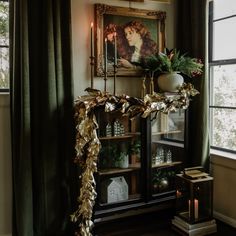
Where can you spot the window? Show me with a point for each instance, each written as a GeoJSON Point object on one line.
{"type": "Point", "coordinates": [222, 74]}
{"type": "Point", "coordinates": [4, 46]}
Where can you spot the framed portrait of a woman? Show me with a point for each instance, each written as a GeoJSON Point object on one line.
{"type": "Point", "coordinates": [125, 37]}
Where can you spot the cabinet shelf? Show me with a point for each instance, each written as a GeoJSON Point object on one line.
{"type": "Point", "coordinates": [134, 134]}
{"type": "Point", "coordinates": [166, 164]}
{"type": "Point", "coordinates": [111, 171]}
{"type": "Point", "coordinates": [131, 198]}
{"type": "Point", "coordinates": [170, 143]}
{"type": "Point", "coordinates": [126, 136]}
{"type": "Point", "coordinates": [166, 132]}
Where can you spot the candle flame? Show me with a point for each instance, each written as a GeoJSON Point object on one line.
{"type": "Point", "coordinates": [91, 24]}
{"type": "Point", "coordinates": [105, 39]}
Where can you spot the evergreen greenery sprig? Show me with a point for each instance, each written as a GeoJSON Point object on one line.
{"type": "Point", "coordinates": [173, 61]}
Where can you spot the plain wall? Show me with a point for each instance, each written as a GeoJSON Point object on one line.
{"type": "Point", "coordinates": [223, 169]}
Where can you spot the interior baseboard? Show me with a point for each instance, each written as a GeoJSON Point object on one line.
{"type": "Point", "coordinates": [228, 220]}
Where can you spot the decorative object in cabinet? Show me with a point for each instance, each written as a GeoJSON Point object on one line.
{"type": "Point", "coordinates": [108, 130]}
{"type": "Point", "coordinates": [111, 156]}
{"type": "Point", "coordinates": [114, 190]}
{"type": "Point", "coordinates": [135, 151]}
{"type": "Point", "coordinates": [163, 180]}
{"type": "Point", "coordinates": [88, 146]}
{"type": "Point", "coordinates": [168, 157]}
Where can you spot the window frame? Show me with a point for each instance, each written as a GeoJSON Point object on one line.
{"type": "Point", "coordinates": [6, 90]}
{"type": "Point", "coordinates": [211, 64]}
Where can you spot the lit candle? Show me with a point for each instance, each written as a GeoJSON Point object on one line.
{"type": "Point", "coordinates": [115, 53]}
{"type": "Point", "coordinates": [195, 209]}
{"type": "Point", "coordinates": [91, 47]}
{"type": "Point", "coordinates": [105, 56]}
{"type": "Point", "coordinates": [178, 194]}
{"type": "Point", "coordinates": [196, 206]}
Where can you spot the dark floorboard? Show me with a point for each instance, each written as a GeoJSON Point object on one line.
{"type": "Point", "coordinates": [150, 225]}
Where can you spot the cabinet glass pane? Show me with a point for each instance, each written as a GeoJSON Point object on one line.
{"type": "Point", "coordinates": [119, 162]}
{"type": "Point", "coordinates": [169, 126]}
{"type": "Point", "coordinates": [176, 121]}
{"type": "Point", "coordinates": [165, 155]}
{"type": "Point", "coordinates": [163, 180]}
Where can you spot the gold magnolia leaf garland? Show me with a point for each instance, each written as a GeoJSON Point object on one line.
{"type": "Point", "coordinates": [88, 145]}
{"type": "Point", "coordinates": [87, 149]}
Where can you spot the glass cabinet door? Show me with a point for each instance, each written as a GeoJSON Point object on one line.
{"type": "Point", "coordinates": [175, 126]}
{"type": "Point", "coordinates": [167, 147]}
{"type": "Point", "coordinates": [119, 162]}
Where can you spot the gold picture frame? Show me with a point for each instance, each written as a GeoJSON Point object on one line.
{"type": "Point", "coordinates": [106, 17]}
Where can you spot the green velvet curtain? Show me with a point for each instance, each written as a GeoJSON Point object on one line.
{"type": "Point", "coordinates": [42, 117]}
{"type": "Point", "coordinates": [191, 38]}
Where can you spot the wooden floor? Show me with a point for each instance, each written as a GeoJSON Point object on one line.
{"type": "Point", "coordinates": [150, 225]}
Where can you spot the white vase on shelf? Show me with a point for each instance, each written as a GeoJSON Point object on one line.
{"type": "Point", "coordinates": [170, 81]}
{"type": "Point", "coordinates": [124, 160]}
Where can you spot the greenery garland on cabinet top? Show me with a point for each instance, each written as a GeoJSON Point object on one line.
{"type": "Point", "coordinates": [88, 145]}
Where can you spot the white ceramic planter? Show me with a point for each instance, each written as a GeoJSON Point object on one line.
{"type": "Point", "coordinates": [170, 82]}
{"type": "Point", "coordinates": [125, 161]}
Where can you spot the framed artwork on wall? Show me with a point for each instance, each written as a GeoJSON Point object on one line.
{"type": "Point", "coordinates": [125, 37]}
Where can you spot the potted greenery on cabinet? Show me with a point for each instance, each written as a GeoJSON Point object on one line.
{"type": "Point", "coordinates": [169, 68]}
{"type": "Point", "coordinates": [112, 156]}
{"type": "Point", "coordinates": [135, 151]}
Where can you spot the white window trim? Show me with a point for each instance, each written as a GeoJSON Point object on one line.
{"type": "Point", "coordinates": [222, 154]}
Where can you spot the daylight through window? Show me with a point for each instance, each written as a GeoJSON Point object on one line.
{"type": "Point", "coordinates": [222, 74]}
{"type": "Point", "coordinates": [4, 45]}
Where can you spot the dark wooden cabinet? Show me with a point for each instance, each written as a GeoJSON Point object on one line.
{"type": "Point", "coordinates": [137, 163]}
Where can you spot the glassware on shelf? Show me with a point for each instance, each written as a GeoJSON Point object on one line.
{"type": "Point", "coordinates": [160, 155]}
{"type": "Point", "coordinates": [154, 159]}
{"type": "Point", "coordinates": [123, 160]}
{"type": "Point", "coordinates": [108, 130]}
{"type": "Point", "coordinates": [122, 129]}
{"type": "Point", "coordinates": [116, 128]}
{"type": "Point", "coordinates": [119, 128]}
{"type": "Point", "coordinates": [168, 156]}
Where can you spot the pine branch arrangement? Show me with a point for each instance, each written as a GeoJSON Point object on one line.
{"type": "Point", "coordinates": [173, 61]}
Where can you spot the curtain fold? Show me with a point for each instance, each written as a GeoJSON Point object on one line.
{"type": "Point", "coordinates": [191, 28]}
{"type": "Point", "coordinates": [42, 117]}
